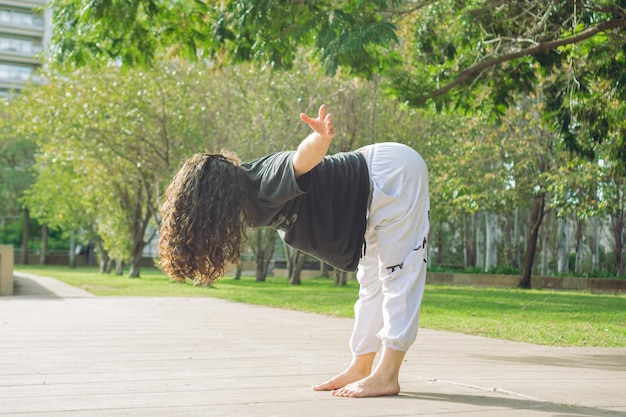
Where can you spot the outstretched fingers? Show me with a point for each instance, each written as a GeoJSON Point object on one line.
{"type": "Point", "coordinates": [322, 124]}
{"type": "Point", "coordinates": [310, 120]}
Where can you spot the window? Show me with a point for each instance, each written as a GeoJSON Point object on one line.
{"type": "Point", "coordinates": [20, 18]}
{"type": "Point", "coordinates": [17, 45]}
{"type": "Point", "coordinates": [15, 72]}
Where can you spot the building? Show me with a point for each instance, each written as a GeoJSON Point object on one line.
{"type": "Point", "coordinates": [25, 31]}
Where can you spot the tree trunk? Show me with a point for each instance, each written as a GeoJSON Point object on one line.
{"type": "Point", "coordinates": [617, 223]}
{"type": "Point", "coordinates": [134, 268]}
{"type": "Point", "coordinates": [341, 277]}
{"type": "Point", "coordinates": [580, 228]}
{"type": "Point", "coordinates": [43, 256]}
{"type": "Point", "coordinates": [104, 259]}
{"type": "Point", "coordinates": [135, 257]}
{"type": "Point", "coordinates": [491, 241]}
{"type": "Point", "coordinates": [295, 264]}
{"type": "Point", "coordinates": [141, 219]}
{"type": "Point", "coordinates": [25, 237]}
{"type": "Point", "coordinates": [298, 265]}
{"type": "Point", "coordinates": [72, 249]}
{"type": "Point", "coordinates": [108, 267]}
{"type": "Point", "coordinates": [480, 241]}
{"type": "Point", "coordinates": [265, 241]}
{"type": "Point", "coordinates": [517, 247]}
{"type": "Point", "coordinates": [119, 266]}
{"type": "Point", "coordinates": [91, 254]}
{"type": "Point", "coordinates": [292, 256]}
{"type": "Point", "coordinates": [531, 244]}
{"type": "Point", "coordinates": [325, 270]}
{"type": "Point", "coordinates": [238, 270]}
{"type": "Point", "coordinates": [595, 244]}
{"type": "Point", "coordinates": [440, 244]}
{"type": "Point", "coordinates": [545, 247]}
{"type": "Point", "coordinates": [469, 241]}
{"type": "Point", "coordinates": [563, 254]}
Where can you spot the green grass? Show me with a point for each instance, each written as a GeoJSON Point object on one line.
{"type": "Point", "coordinates": [534, 316]}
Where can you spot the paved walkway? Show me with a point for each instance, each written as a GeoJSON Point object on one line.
{"type": "Point", "coordinates": [64, 352]}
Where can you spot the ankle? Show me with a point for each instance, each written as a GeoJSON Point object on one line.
{"type": "Point", "coordinates": [385, 374]}
{"type": "Point", "coordinates": [363, 363]}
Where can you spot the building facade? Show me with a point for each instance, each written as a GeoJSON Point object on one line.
{"type": "Point", "coordinates": [25, 30]}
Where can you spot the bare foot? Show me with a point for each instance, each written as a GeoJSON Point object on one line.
{"type": "Point", "coordinates": [360, 367]}
{"type": "Point", "coordinates": [371, 386]}
{"type": "Point", "coordinates": [341, 380]}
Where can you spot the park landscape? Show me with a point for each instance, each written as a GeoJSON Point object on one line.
{"type": "Point", "coordinates": [517, 107]}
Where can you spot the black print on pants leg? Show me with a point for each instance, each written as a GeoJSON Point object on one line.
{"type": "Point", "coordinates": [393, 268]}
{"type": "Point", "coordinates": [422, 246]}
{"type": "Point", "coordinates": [400, 266]}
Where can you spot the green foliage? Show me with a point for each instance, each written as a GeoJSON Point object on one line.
{"type": "Point", "coordinates": [575, 188]}
{"type": "Point", "coordinates": [587, 100]}
{"type": "Point", "coordinates": [268, 32]}
{"type": "Point", "coordinates": [79, 26]}
{"type": "Point", "coordinates": [11, 234]}
{"type": "Point", "coordinates": [106, 142]}
{"type": "Point", "coordinates": [344, 39]}
{"type": "Point", "coordinates": [477, 55]}
{"type": "Point", "coordinates": [504, 270]}
{"type": "Point", "coordinates": [482, 55]}
{"type": "Point", "coordinates": [16, 160]}
{"type": "Point", "coordinates": [497, 270]}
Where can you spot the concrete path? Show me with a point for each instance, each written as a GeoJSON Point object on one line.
{"type": "Point", "coordinates": [64, 352]}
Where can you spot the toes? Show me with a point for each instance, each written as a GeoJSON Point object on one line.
{"type": "Point", "coordinates": [329, 385]}
{"type": "Point", "coordinates": [321, 387]}
{"type": "Point", "coordinates": [338, 392]}
{"type": "Point", "coordinates": [343, 392]}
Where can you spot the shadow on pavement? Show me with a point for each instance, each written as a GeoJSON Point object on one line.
{"type": "Point", "coordinates": [609, 361]}
{"type": "Point", "coordinates": [554, 410]}
{"type": "Point", "coordinates": [26, 287]}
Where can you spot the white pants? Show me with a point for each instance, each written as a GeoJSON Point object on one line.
{"type": "Point", "coordinates": [392, 273]}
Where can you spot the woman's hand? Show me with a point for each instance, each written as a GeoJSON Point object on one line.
{"type": "Point", "coordinates": [312, 150]}
{"type": "Point", "coordinates": [322, 124]}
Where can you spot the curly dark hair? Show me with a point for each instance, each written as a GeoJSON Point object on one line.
{"type": "Point", "coordinates": [203, 218]}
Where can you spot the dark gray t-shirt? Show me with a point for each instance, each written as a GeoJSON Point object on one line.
{"type": "Point", "coordinates": [323, 212]}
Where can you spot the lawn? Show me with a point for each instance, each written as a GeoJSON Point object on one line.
{"type": "Point", "coordinates": [533, 316]}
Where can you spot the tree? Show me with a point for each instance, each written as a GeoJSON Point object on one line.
{"type": "Point", "coordinates": [612, 197]}
{"type": "Point", "coordinates": [574, 193]}
{"type": "Point", "coordinates": [445, 50]}
{"type": "Point", "coordinates": [531, 156]}
{"type": "Point", "coordinates": [118, 139]}
{"type": "Point", "coordinates": [16, 161]}
{"type": "Point", "coordinates": [75, 210]}
{"type": "Point", "coordinates": [476, 55]}
{"type": "Point", "coordinates": [587, 97]}
{"type": "Point", "coordinates": [267, 32]}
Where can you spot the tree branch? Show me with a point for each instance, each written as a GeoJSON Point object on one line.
{"type": "Point", "coordinates": [469, 73]}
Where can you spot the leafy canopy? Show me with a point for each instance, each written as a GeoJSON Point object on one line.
{"type": "Point", "coordinates": [475, 54]}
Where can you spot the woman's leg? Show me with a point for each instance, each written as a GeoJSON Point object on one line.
{"type": "Point", "coordinates": [359, 368]}
{"type": "Point", "coordinates": [368, 321]}
{"type": "Point", "coordinates": [399, 216]}
{"type": "Point", "coordinates": [383, 381]}
{"type": "Point", "coordinates": [402, 300]}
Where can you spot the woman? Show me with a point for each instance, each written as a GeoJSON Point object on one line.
{"type": "Point", "coordinates": [365, 210]}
